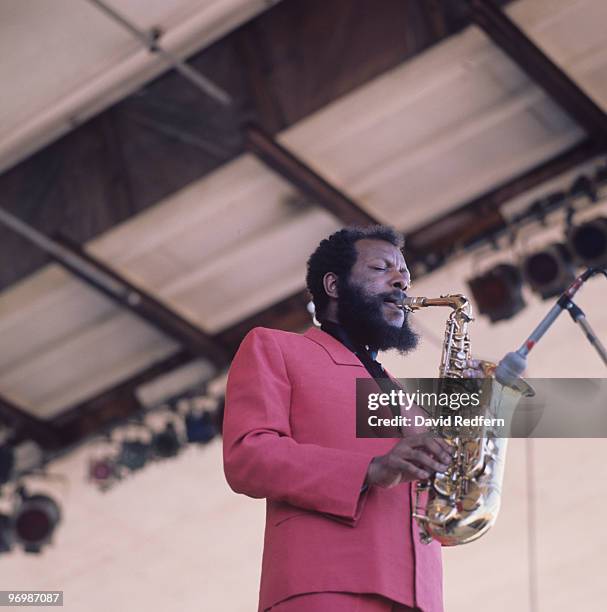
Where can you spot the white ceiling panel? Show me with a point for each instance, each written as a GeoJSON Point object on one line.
{"type": "Point", "coordinates": [84, 364]}
{"type": "Point", "coordinates": [572, 33]}
{"type": "Point", "coordinates": [47, 307]}
{"type": "Point", "coordinates": [453, 122]}
{"type": "Point", "coordinates": [202, 222]}
{"type": "Point", "coordinates": [567, 30]}
{"type": "Point", "coordinates": [64, 61]}
{"type": "Point", "coordinates": [408, 191]}
{"type": "Point", "coordinates": [259, 273]}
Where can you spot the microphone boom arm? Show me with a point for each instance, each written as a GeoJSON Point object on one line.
{"type": "Point", "coordinates": [513, 364]}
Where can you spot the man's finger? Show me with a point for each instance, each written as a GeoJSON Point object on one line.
{"type": "Point", "coordinates": [429, 440]}
{"type": "Point", "coordinates": [423, 459]}
{"type": "Point", "coordinates": [409, 468]}
{"type": "Point", "coordinates": [440, 451]}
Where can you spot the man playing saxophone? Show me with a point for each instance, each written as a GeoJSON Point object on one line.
{"type": "Point", "coordinates": [339, 529]}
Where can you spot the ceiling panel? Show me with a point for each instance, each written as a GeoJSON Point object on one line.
{"type": "Point", "coordinates": [572, 33]}
{"type": "Point", "coordinates": [83, 61]}
{"type": "Point", "coordinates": [452, 123]}
{"type": "Point", "coordinates": [211, 217]}
{"type": "Point", "coordinates": [83, 364]}
{"type": "Point", "coordinates": [259, 273]}
{"type": "Point", "coordinates": [48, 307]}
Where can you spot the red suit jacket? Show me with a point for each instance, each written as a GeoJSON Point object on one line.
{"type": "Point", "coordinates": [289, 436]}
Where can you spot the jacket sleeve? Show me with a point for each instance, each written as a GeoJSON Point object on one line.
{"type": "Point", "coordinates": [261, 458]}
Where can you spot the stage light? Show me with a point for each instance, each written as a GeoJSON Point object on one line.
{"type": "Point", "coordinates": [584, 186]}
{"type": "Point", "coordinates": [134, 454]}
{"type": "Point", "coordinates": [166, 443]}
{"type": "Point", "coordinates": [103, 471]}
{"type": "Point", "coordinates": [549, 271]}
{"type": "Point", "coordinates": [498, 292]}
{"type": "Point", "coordinates": [588, 242]}
{"type": "Point", "coordinates": [34, 520]}
{"type": "Point", "coordinates": [200, 428]}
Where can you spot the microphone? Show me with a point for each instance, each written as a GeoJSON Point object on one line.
{"type": "Point", "coordinates": [510, 368]}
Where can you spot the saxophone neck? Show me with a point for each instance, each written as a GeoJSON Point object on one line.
{"type": "Point", "coordinates": [458, 302]}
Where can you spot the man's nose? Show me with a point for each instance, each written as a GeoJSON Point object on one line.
{"type": "Point", "coordinates": [401, 280]}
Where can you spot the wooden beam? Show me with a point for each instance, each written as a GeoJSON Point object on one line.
{"type": "Point", "coordinates": [120, 290]}
{"type": "Point", "coordinates": [142, 303]}
{"type": "Point", "coordinates": [251, 54]}
{"type": "Point", "coordinates": [300, 175]}
{"type": "Point", "coordinates": [27, 426]}
{"type": "Point", "coordinates": [539, 67]}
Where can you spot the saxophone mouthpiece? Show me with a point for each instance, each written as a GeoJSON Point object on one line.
{"type": "Point", "coordinates": [411, 304]}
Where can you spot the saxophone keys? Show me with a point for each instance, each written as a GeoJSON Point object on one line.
{"type": "Point", "coordinates": [440, 511]}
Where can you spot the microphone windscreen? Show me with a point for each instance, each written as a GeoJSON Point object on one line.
{"type": "Point", "coordinates": [510, 368]}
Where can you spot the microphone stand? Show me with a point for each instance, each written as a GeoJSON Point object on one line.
{"type": "Point", "coordinates": [513, 364]}
{"type": "Point", "coordinates": [578, 316]}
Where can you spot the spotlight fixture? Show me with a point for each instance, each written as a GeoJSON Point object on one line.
{"type": "Point", "coordinates": [103, 471]}
{"type": "Point", "coordinates": [34, 520]}
{"type": "Point", "coordinates": [166, 443]}
{"type": "Point", "coordinates": [588, 242]}
{"type": "Point", "coordinates": [134, 454]}
{"type": "Point", "coordinates": [584, 186]}
{"type": "Point", "coordinates": [498, 292]}
{"type": "Point", "coordinates": [200, 428]}
{"type": "Point", "coordinates": [549, 271]}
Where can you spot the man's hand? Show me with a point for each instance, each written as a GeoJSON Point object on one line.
{"type": "Point", "coordinates": [412, 458]}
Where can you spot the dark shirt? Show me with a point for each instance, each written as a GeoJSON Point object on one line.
{"type": "Point", "coordinates": [366, 355]}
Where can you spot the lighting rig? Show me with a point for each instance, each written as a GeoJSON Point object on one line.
{"type": "Point", "coordinates": [129, 447]}
{"type": "Point", "coordinates": [550, 270]}
{"type": "Point", "coordinates": [28, 519]}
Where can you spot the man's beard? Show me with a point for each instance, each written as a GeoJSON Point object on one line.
{"type": "Point", "coordinates": [362, 318]}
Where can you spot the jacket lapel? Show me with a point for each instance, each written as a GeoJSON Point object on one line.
{"type": "Point", "coordinates": [337, 351]}
{"type": "Point", "coordinates": [341, 355]}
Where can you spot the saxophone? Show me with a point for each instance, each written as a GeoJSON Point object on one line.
{"type": "Point", "coordinates": [463, 502]}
